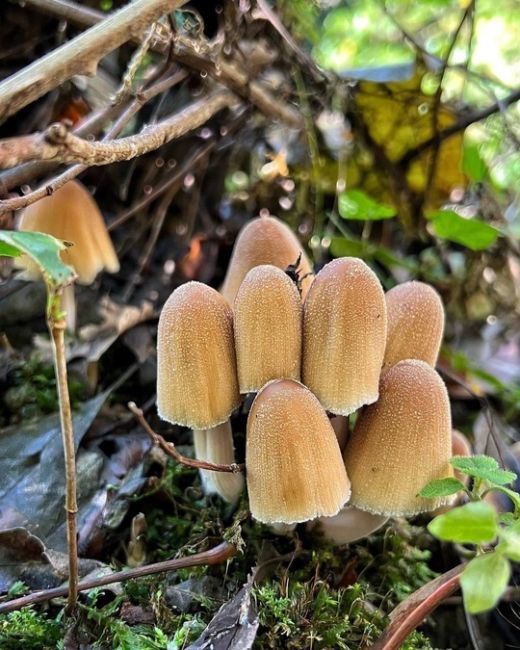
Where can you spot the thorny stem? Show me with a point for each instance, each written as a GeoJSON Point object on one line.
{"type": "Point", "coordinates": [56, 324]}
{"type": "Point", "coordinates": [169, 448]}
{"type": "Point", "coordinates": [215, 555]}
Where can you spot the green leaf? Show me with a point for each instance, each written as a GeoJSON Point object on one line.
{"type": "Point", "coordinates": [441, 488]}
{"type": "Point", "coordinates": [483, 581]}
{"type": "Point", "coordinates": [355, 204]}
{"type": "Point", "coordinates": [473, 233]}
{"type": "Point", "coordinates": [344, 247]}
{"type": "Point", "coordinates": [483, 467]}
{"type": "Point", "coordinates": [43, 249]}
{"type": "Point", "coordinates": [473, 164]}
{"type": "Point", "coordinates": [473, 523]}
{"type": "Point", "coordinates": [510, 542]}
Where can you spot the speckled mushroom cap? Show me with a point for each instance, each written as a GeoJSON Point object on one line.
{"type": "Point", "coordinates": [401, 443]}
{"type": "Point", "coordinates": [264, 240]}
{"type": "Point", "coordinates": [294, 467]}
{"type": "Point", "coordinates": [415, 323]}
{"type": "Point", "coordinates": [197, 382]}
{"type": "Point", "coordinates": [71, 214]}
{"type": "Point", "coordinates": [344, 335]}
{"type": "Point", "coordinates": [268, 328]}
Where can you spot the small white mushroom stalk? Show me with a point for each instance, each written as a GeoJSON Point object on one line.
{"type": "Point", "coordinates": [349, 525]}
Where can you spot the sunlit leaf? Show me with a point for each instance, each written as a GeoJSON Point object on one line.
{"type": "Point", "coordinates": [483, 581]}
{"type": "Point", "coordinates": [355, 204]}
{"type": "Point", "coordinates": [441, 488]}
{"type": "Point", "coordinates": [483, 467]}
{"type": "Point", "coordinates": [473, 233]}
{"type": "Point", "coordinates": [42, 248]}
{"type": "Point", "coordinates": [473, 523]}
{"type": "Point", "coordinates": [472, 163]}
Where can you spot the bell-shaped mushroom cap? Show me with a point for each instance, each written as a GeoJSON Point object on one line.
{"type": "Point", "coordinates": [72, 214]}
{"type": "Point", "coordinates": [294, 467]}
{"type": "Point", "coordinates": [268, 328]}
{"type": "Point", "coordinates": [264, 240]}
{"type": "Point", "coordinates": [344, 335]}
{"type": "Point", "coordinates": [349, 525]}
{"type": "Point", "coordinates": [401, 443]}
{"type": "Point", "coordinates": [415, 323]}
{"type": "Point", "coordinates": [196, 368]}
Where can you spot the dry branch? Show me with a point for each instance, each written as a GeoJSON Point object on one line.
{"type": "Point", "coordinates": [80, 55]}
{"type": "Point", "coordinates": [58, 144]}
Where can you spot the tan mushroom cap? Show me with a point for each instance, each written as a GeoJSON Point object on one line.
{"type": "Point", "coordinates": [268, 328]}
{"type": "Point", "coordinates": [196, 369]}
{"type": "Point", "coordinates": [344, 335]}
{"type": "Point", "coordinates": [294, 468]}
{"type": "Point", "coordinates": [71, 214]}
{"type": "Point", "coordinates": [415, 323]}
{"type": "Point", "coordinates": [264, 240]}
{"type": "Point", "coordinates": [401, 443]}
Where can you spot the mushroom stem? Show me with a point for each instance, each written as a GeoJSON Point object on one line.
{"type": "Point", "coordinates": [349, 525]}
{"type": "Point", "coordinates": [216, 446]}
{"type": "Point", "coordinates": [68, 304]}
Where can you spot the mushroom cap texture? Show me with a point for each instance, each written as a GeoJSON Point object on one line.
{"type": "Point", "coordinates": [415, 323]}
{"type": "Point", "coordinates": [197, 382]}
{"type": "Point", "coordinates": [344, 335]}
{"type": "Point", "coordinates": [294, 468]}
{"type": "Point", "coordinates": [268, 328]}
{"type": "Point", "coordinates": [71, 214]}
{"type": "Point", "coordinates": [264, 240]}
{"type": "Point", "coordinates": [401, 443]}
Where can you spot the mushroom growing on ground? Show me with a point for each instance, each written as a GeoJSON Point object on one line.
{"type": "Point", "coordinates": [401, 443]}
{"type": "Point", "coordinates": [268, 328]}
{"type": "Point", "coordinates": [294, 468]}
{"type": "Point", "coordinates": [415, 323]}
{"type": "Point", "coordinates": [265, 240]}
{"type": "Point", "coordinates": [197, 384]}
{"type": "Point", "coordinates": [349, 525]}
{"type": "Point", "coordinates": [72, 214]}
{"type": "Point", "coordinates": [344, 335]}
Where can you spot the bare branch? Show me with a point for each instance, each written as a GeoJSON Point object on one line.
{"type": "Point", "coordinates": [57, 143]}
{"type": "Point", "coordinates": [170, 449]}
{"type": "Point", "coordinates": [215, 555]}
{"type": "Point", "coordinates": [80, 55]}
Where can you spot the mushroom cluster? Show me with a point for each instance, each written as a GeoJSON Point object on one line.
{"type": "Point", "coordinates": [314, 350]}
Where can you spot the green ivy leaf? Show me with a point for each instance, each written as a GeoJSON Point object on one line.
{"type": "Point", "coordinates": [483, 467]}
{"type": "Point", "coordinates": [473, 233]}
{"type": "Point", "coordinates": [473, 164]}
{"type": "Point", "coordinates": [483, 581]}
{"type": "Point", "coordinates": [473, 523]}
{"type": "Point", "coordinates": [510, 542]}
{"type": "Point", "coordinates": [43, 249]}
{"type": "Point", "coordinates": [441, 488]}
{"type": "Point", "coordinates": [355, 204]}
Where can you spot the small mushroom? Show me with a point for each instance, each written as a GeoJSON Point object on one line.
{"type": "Point", "coordinates": [265, 240]}
{"type": "Point", "coordinates": [294, 468]}
{"type": "Point", "coordinates": [401, 443]}
{"type": "Point", "coordinates": [197, 384]}
{"type": "Point", "coordinates": [71, 214]}
{"type": "Point", "coordinates": [415, 323]}
{"type": "Point", "coordinates": [268, 328]}
{"type": "Point", "coordinates": [344, 335]}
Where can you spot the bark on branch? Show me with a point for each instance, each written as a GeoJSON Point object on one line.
{"type": "Point", "coordinates": [58, 144]}
{"type": "Point", "coordinates": [80, 55]}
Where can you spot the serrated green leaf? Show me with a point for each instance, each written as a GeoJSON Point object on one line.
{"type": "Point", "coordinates": [483, 467]}
{"type": "Point", "coordinates": [355, 204]}
{"type": "Point", "coordinates": [43, 249]}
{"type": "Point", "coordinates": [473, 523]}
{"type": "Point", "coordinates": [483, 581]}
{"type": "Point", "coordinates": [441, 488]}
{"type": "Point", "coordinates": [510, 542]}
{"type": "Point", "coordinates": [473, 233]}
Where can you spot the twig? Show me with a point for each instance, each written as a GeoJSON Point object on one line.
{"type": "Point", "coordinates": [59, 144]}
{"type": "Point", "coordinates": [80, 55]}
{"type": "Point", "coordinates": [133, 66]}
{"type": "Point", "coordinates": [169, 448]}
{"type": "Point", "coordinates": [216, 555]}
{"type": "Point", "coordinates": [52, 185]}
